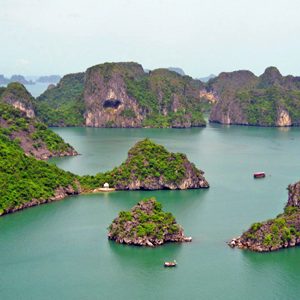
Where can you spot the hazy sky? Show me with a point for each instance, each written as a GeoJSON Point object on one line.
{"type": "Point", "coordinates": [201, 36]}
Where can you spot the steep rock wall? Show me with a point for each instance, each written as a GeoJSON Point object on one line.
{"type": "Point", "coordinates": [107, 101]}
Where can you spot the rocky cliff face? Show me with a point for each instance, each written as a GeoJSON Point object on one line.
{"type": "Point", "coordinates": [17, 95]}
{"type": "Point", "coordinates": [274, 234]}
{"type": "Point", "coordinates": [283, 118]}
{"type": "Point", "coordinates": [18, 122]}
{"type": "Point", "coordinates": [268, 100]}
{"type": "Point", "coordinates": [226, 110]}
{"type": "Point", "coordinates": [107, 101]}
{"type": "Point", "coordinates": [123, 95]}
{"type": "Point", "coordinates": [146, 225]}
{"type": "Point", "coordinates": [294, 195]}
{"type": "Point", "coordinates": [33, 137]}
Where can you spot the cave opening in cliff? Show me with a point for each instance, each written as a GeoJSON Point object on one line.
{"type": "Point", "coordinates": [112, 103]}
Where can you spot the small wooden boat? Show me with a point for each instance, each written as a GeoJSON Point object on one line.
{"type": "Point", "coordinates": [259, 175]}
{"type": "Point", "coordinates": [170, 263]}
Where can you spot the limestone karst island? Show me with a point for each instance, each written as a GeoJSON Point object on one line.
{"type": "Point", "coordinates": [149, 150]}
{"type": "Point", "coordinates": [146, 225]}
{"type": "Point", "coordinates": [27, 181]}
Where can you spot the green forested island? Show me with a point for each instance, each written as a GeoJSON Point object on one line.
{"type": "Point", "coordinates": [31, 135]}
{"type": "Point", "coordinates": [146, 225]}
{"type": "Point", "coordinates": [150, 166]}
{"type": "Point", "coordinates": [274, 234]}
{"type": "Point", "coordinates": [124, 95]}
{"type": "Point", "coordinates": [26, 180]}
{"type": "Point", "coordinates": [245, 99]}
{"type": "Point", "coordinates": [62, 105]}
{"type": "Point", "coordinates": [17, 95]}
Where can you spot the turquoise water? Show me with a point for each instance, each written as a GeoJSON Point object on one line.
{"type": "Point", "coordinates": [60, 250]}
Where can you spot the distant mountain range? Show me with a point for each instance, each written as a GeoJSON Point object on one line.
{"type": "Point", "coordinates": [49, 79]}
{"type": "Point", "coordinates": [22, 79]}
{"type": "Point", "coordinates": [126, 95]}
{"type": "Point", "coordinates": [15, 78]}
{"type": "Point", "coordinates": [177, 70]}
{"type": "Point", "coordinates": [207, 78]}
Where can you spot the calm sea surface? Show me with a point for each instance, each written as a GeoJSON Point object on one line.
{"type": "Point", "coordinates": [60, 250]}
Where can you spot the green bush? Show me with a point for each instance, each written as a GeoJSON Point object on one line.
{"type": "Point", "coordinates": [268, 239]}
{"type": "Point", "coordinates": [256, 226]}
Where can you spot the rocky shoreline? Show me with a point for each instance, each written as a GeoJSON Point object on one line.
{"type": "Point", "coordinates": [240, 243]}
{"type": "Point", "coordinates": [60, 194]}
{"type": "Point", "coordinates": [278, 233]}
{"type": "Point", "coordinates": [149, 167]}
{"type": "Point", "coordinates": [150, 242]}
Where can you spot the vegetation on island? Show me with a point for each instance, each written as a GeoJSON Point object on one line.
{"type": "Point", "coordinates": [147, 159]}
{"type": "Point", "coordinates": [16, 94]}
{"type": "Point", "coordinates": [145, 224]}
{"type": "Point", "coordinates": [24, 178]}
{"type": "Point", "coordinates": [274, 234]}
{"type": "Point", "coordinates": [26, 181]}
{"type": "Point", "coordinates": [32, 135]}
{"type": "Point", "coordinates": [150, 166]}
{"type": "Point", "coordinates": [268, 100]}
{"type": "Point", "coordinates": [161, 98]}
{"type": "Point", "coordinates": [156, 92]}
{"type": "Point", "coordinates": [17, 90]}
{"type": "Point", "coordinates": [261, 106]}
{"type": "Point", "coordinates": [63, 105]}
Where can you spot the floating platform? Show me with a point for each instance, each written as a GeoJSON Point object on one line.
{"type": "Point", "coordinates": [103, 189]}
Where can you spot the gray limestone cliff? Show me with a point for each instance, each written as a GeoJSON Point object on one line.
{"type": "Point", "coordinates": [17, 95]}
{"type": "Point", "coordinates": [245, 99]}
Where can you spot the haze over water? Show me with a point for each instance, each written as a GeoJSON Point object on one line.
{"type": "Point", "coordinates": [60, 250]}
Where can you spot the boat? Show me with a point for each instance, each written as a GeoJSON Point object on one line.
{"type": "Point", "coordinates": [170, 263]}
{"type": "Point", "coordinates": [259, 175]}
